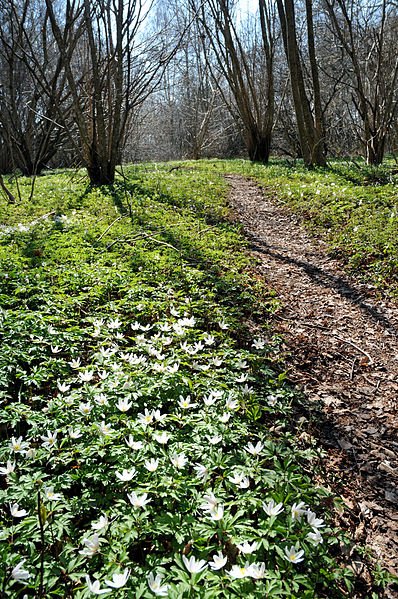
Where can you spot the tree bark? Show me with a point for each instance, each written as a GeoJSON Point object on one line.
{"type": "Point", "coordinates": [309, 126]}
{"type": "Point", "coordinates": [253, 104]}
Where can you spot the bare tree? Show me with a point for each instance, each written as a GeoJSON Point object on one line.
{"type": "Point", "coordinates": [367, 33]}
{"type": "Point", "coordinates": [309, 115]}
{"type": "Point", "coordinates": [29, 132]}
{"type": "Point", "coordinates": [189, 89]}
{"type": "Point", "coordinates": [247, 67]}
{"type": "Point", "coordinates": [109, 67]}
{"type": "Point", "coordinates": [197, 103]}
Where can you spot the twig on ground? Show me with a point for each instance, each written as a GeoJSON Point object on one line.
{"type": "Point", "coordinates": [108, 228]}
{"type": "Point", "coordinates": [43, 217]}
{"type": "Point", "coordinates": [318, 326]}
{"type": "Point", "coordinates": [143, 236]}
{"type": "Point", "coordinates": [128, 239]}
{"type": "Point", "coordinates": [164, 243]}
{"type": "Point", "coordinates": [362, 351]}
{"type": "Point", "coordinates": [307, 324]}
{"type": "Point", "coordinates": [353, 369]}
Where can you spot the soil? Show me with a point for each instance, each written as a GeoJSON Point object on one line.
{"type": "Point", "coordinates": [340, 341]}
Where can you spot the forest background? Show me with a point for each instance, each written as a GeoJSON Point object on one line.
{"type": "Point", "coordinates": [94, 83]}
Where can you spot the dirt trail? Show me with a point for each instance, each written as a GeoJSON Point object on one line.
{"type": "Point", "coordinates": [342, 349]}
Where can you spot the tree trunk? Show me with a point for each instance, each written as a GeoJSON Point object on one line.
{"type": "Point", "coordinates": [309, 126]}
{"type": "Point", "coordinates": [258, 146]}
{"type": "Point", "coordinates": [253, 92]}
{"type": "Point", "coordinates": [101, 172]}
{"type": "Point", "coordinates": [374, 149]}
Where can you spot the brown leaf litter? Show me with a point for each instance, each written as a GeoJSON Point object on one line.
{"type": "Point", "coordinates": [341, 348]}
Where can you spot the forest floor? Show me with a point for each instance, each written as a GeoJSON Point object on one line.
{"type": "Point", "coordinates": [340, 345]}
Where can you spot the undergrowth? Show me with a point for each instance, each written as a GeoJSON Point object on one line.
{"type": "Point", "coordinates": [147, 446]}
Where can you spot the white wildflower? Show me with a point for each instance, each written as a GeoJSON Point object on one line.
{"type": "Point", "coordinates": [219, 561]}
{"type": "Point", "coordinates": [135, 445]}
{"type": "Point", "coordinates": [146, 418]}
{"type": "Point", "coordinates": [298, 509]}
{"type": "Point", "coordinates": [74, 433]}
{"type": "Point", "coordinates": [294, 555]}
{"type": "Point", "coordinates": [231, 404]}
{"type": "Point", "coordinates": [209, 339]}
{"type": "Point", "coordinates": [215, 439]}
{"type": "Point", "coordinates": [50, 495]}
{"type": "Point", "coordinates": [30, 454]}
{"type": "Point", "coordinates": [124, 405]}
{"type": "Point", "coordinates": [105, 429]}
{"type": "Point", "coordinates": [185, 402]}
{"type": "Point", "coordinates": [86, 376]}
{"type": "Point", "coordinates": [85, 408]}
{"type": "Point", "coordinates": [138, 500]}
{"type": "Point", "coordinates": [49, 440]}
{"type": "Point", "coordinates": [18, 445]}
{"type": "Point", "coordinates": [246, 389]}
{"type": "Point", "coordinates": [101, 399]}
{"type": "Point", "coordinates": [178, 460]}
{"type": "Point", "coordinates": [16, 512]}
{"type": "Point", "coordinates": [162, 437]}
{"type": "Point", "coordinates": [75, 363]}
{"type": "Point", "coordinates": [257, 571]}
{"type": "Point", "coordinates": [62, 387]}
{"type": "Point", "coordinates": [158, 416]}
{"type": "Point", "coordinates": [216, 512]}
{"type": "Point", "coordinates": [247, 548]}
{"type": "Point", "coordinates": [126, 475]}
{"type": "Point", "coordinates": [273, 509]}
{"type": "Point", "coordinates": [194, 566]}
{"type": "Point", "coordinates": [94, 587]}
{"type": "Point", "coordinates": [313, 520]}
{"type": "Point", "coordinates": [240, 480]}
{"type": "Point", "coordinates": [224, 417]}
{"type": "Point", "coordinates": [210, 400]}
{"type": "Point", "coordinates": [187, 322]}
{"type": "Point", "coordinates": [19, 573]}
{"type": "Point", "coordinates": [101, 524]}
{"type": "Point", "coordinates": [201, 471]}
{"type": "Point", "coordinates": [151, 465]}
{"type": "Point", "coordinates": [156, 586]}
{"type": "Point", "coordinates": [258, 343]}
{"type": "Point", "coordinates": [240, 571]}
{"type": "Point", "coordinates": [92, 546]}
{"type": "Point", "coordinates": [119, 580]}
{"type": "Point", "coordinates": [255, 450]}
{"type": "Point", "coordinates": [114, 324]}
{"type": "Point", "coordinates": [7, 469]}
{"type": "Point", "coordinates": [315, 537]}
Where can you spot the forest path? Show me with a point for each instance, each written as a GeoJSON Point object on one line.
{"type": "Point", "coordinates": [342, 350]}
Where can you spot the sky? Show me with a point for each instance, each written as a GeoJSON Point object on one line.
{"type": "Point", "coordinates": [248, 5]}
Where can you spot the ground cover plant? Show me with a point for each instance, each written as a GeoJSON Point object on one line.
{"type": "Point", "coordinates": [146, 446]}
{"type": "Point", "coordinates": [352, 205]}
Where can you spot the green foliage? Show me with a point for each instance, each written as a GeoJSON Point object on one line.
{"type": "Point", "coordinates": [142, 422]}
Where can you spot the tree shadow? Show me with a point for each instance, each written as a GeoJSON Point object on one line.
{"type": "Point", "coordinates": [131, 199]}
{"type": "Point", "coordinates": [329, 280]}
